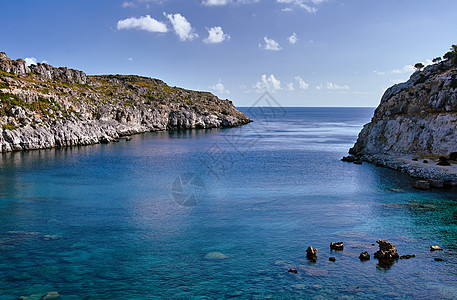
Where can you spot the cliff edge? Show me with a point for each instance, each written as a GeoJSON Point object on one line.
{"type": "Point", "coordinates": [42, 107]}
{"type": "Point", "coordinates": [416, 119]}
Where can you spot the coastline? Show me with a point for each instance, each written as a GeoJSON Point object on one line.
{"type": "Point", "coordinates": [416, 169]}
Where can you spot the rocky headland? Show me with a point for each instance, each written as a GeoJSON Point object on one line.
{"type": "Point", "coordinates": [42, 106]}
{"type": "Point", "coordinates": [414, 128]}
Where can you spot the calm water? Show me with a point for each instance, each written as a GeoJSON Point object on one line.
{"type": "Point", "coordinates": [103, 221]}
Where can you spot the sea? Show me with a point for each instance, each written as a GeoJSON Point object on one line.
{"type": "Point", "coordinates": [222, 213]}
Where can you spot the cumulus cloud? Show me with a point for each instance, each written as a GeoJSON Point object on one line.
{"type": "Point", "coordinates": [308, 5]}
{"type": "Point", "coordinates": [270, 44]}
{"type": "Point", "coordinates": [293, 39]}
{"type": "Point", "coordinates": [216, 35]}
{"type": "Point", "coordinates": [219, 88]}
{"type": "Point", "coordinates": [182, 27]}
{"type": "Point", "coordinates": [225, 2]}
{"type": "Point", "coordinates": [142, 23]}
{"type": "Point", "coordinates": [128, 4]}
{"type": "Point", "coordinates": [290, 86]}
{"type": "Point", "coordinates": [215, 2]}
{"type": "Point", "coordinates": [30, 61]}
{"type": "Point", "coordinates": [269, 83]}
{"type": "Point", "coordinates": [301, 83]}
{"type": "Point", "coordinates": [410, 68]}
{"type": "Point", "coordinates": [332, 86]}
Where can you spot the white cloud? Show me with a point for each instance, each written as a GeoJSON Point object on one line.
{"type": "Point", "coordinates": [219, 88]}
{"type": "Point", "coordinates": [268, 84]}
{"type": "Point", "coordinates": [405, 69]}
{"type": "Point", "coordinates": [307, 5]}
{"type": "Point", "coordinates": [30, 61]}
{"type": "Point", "coordinates": [332, 86]}
{"type": "Point", "coordinates": [225, 2]}
{"type": "Point", "coordinates": [215, 2]}
{"type": "Point", "coordinates": [290, 86]}
{"type": "Point", "coordinates": [216, 35]}
{"type": "Point", "coordinates": [130, 59]}
{"type": "Point", "coordinates": [270, 44]}
{"type": "Point", "coordinates": [143, 23]}
{"type": "Point", "coordinates": [128, 4]}
{"type": "Point", "coordinates": [301, 83]}
{"type": "Point", "coordinates": [293, 39]}
{"type": "Point", "coordinates": [379, 72]}
{"type": "Point", "coordinates": [182, 27]}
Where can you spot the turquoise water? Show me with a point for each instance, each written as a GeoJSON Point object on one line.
{"type": "Point", "coordinates": [114, 222]}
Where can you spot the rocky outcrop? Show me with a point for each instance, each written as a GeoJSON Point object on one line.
{"type": "Point", "coordinates": [416, 117]}
{"type": "Point", "coordinates": [42, 107]}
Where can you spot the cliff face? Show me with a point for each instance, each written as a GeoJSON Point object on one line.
{"type": "Point", "coordinates": [42, 106]}
{"type": "Point", "coordinates": [416, 117]}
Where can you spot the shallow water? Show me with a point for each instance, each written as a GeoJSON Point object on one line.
{"type": "Point", "coordinates": [119, 221]}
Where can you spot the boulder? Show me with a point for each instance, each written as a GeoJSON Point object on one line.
{"type": "Point", "coordinates": [364, 256]}
{"type": "Point", "coordinates": [338, 246]}
{"type": "Point", "coordinates": [435, 248]}
{"type": "Point", "coordinates": [349, 158]}
{"type": "Point", "coordinates": [292, 271]}
{"type": "Point", "coordinates": [332, 259]}
{"type": "Point", "coordinates": [311, 253]}
{"type": "Point", "coordinates": [453, 156]}
{"type": "Point", "coordinates": [408, 256]}
{"type": "Point", "coordinates": [387, 251]}
{"type": "Point", "coordinates": [438, 259]}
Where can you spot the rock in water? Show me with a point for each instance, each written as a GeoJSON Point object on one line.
{"type": "Point", "coordinates": [311, 253]}
{"type": "Point", "coordinates": [215, 256]}
{"type": "Point", "coordinates": [364, 256]}
{"type": "Point", "coordinates": [387, 251]}
{"type": "Point", "coordinates": [435, 248]}
{"type": "Point", "coordinates": [51, 296]}
{"type": "Point", "coordinates": [332, 259]}
{"type": "Point", "coordinates": [338, 246]}
{"type": "Point", "coordinates": [292, 271]}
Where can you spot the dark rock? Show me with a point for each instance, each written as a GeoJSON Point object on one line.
{"type": "Point", "coordinates": [438, 259]}
{"type": "Point", "coordinates": [421, 184]}
{"type": "Point", "coordinates": [332, 258]}
{"type": "Point", "coordinates": [349, 158]}
{"type": "Point", "coordinates": [453, 156]}
{"type": "Point", "coordinates": [364, 256]}
{"type": "Point", "coordinates": [408, 256]}
{"type": "Point", "coordinates": [338, 246]}
{"type": "Point", "coordinates": [415, 159]}
{"type": "Point", "coordinates": [436, 183]}
{"type": "Point", "coordinates": [292, 271]}
{"type": "Point", "coordinates": [425, 161]}
{"type": "Point", "coordinates": [387, 251]}
{"type": "Point", "coordinates": [128, 139]}
{"type": "Point", "coordinates": [443, 163]}
{"type": "Point", "coordinates": [357, 162]}
{"type": "Point", "coordinates": [435, 248]}
{"type": "Point", "coordinates": [311, 254]}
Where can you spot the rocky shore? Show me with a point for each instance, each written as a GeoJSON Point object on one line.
{"type": "Point", "coordinates": [414, 128]}
{"type": "Point", "coordinates": [43, 107]}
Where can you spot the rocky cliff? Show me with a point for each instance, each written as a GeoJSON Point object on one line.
{"type": "Point", "coordinates": [417, 117]}
{"type": "Point", "coordinates": [42, 106]}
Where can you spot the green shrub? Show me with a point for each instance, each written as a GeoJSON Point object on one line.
{"type": "Point", "coordinates": [9, 127]}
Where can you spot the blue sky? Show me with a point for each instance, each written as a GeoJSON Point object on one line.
{"type": "Point", "coordinates": [305, 52]}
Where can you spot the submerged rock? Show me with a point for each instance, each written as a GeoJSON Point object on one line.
{"type": "Point", "coordinates": [292, 271]}
{"type": "Point", "coordinates": [438, 259]}
{"type": "Point", "coordinates": [408, 256]}
{"type": "Point", "coordinates": [51, 296]}
{"type": "Point", "coordinates": [215, 256]}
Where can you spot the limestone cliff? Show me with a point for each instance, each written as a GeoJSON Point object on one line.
{"type": "Point", "coordinates": [42, 106]}
{"type": "Point", "coordinates": [417, 117]}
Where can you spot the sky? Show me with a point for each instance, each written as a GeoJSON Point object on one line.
{"type": "Point", "coordinates": [303, 52]}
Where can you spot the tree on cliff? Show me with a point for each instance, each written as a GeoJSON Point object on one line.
{"type": "Point", "coordinates": [452, 55]}
{"type": "Point", "coordinates": [419, 66]}
{"type": "Point", "coordinates": [437, 59]}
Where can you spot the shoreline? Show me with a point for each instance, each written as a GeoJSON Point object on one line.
{"type": "Point", "coordinates": [416, 169]}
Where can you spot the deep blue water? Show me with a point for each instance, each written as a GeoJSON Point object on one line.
{"type": "Point", "coordinates": [105, 221]}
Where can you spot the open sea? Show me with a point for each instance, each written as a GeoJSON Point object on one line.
{"type": "Point", "coordinates": [222, 213]}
